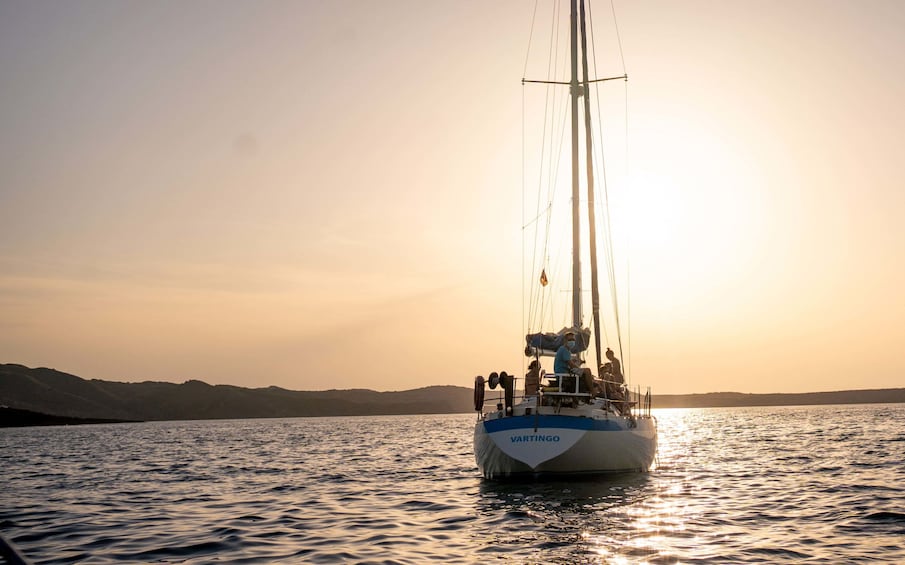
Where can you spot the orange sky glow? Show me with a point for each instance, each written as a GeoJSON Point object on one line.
{"type": "Point", "coordinates": [322, 195]}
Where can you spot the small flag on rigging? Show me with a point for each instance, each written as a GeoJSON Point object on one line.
{"type": "Point", "coordinates": [543, 277]}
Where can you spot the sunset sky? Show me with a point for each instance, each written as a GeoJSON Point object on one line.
{"type": "Point", "coordinates": [322, 195]}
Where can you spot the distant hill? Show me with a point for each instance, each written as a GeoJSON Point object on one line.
{"type": "Point", "coordinates": [51, 392]}
{"type": "Point", "coordinates": [14, 418]}
{"type": "Point", "coordinates": [727, 399]}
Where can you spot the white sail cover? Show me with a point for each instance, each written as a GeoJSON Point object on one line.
{"type": "Point", "coordinates": [546, 344]}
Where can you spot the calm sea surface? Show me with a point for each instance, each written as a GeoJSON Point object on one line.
{"type": "Point", "coordinates": [760, 485]}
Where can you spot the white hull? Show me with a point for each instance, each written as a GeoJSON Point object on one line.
{"type": "Point", "coordinates": [583, 440]}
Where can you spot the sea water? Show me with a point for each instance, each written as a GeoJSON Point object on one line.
{"type": "Point", "coordinates": [819, 484]}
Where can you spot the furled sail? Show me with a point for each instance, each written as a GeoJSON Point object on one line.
{"type": "Point", "coordinates": [546, 344]}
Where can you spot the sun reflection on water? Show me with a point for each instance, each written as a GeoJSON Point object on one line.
{"type": "Point", "coordinates": [632, 518]}
{"type": "Point", "coordinates": [598, 519]}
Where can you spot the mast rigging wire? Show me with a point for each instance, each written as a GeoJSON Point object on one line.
{"type": "Point", "coordinates": [552, 166]}
{"type": "Point", "coordinates": [530, 36]}
{"type": "Point", "coordinates": [549, 168]}
{"type": "Point", "coordinates": [610, 255]}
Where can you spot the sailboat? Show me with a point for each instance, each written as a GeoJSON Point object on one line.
{"type": "Point", "coordinates": [574, 420]}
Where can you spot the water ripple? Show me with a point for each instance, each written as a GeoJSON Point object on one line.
{"type": "Point", "coordinates": [813, 484]}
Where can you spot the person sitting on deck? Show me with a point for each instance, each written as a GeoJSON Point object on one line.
{"type": "Point", "coordinates": [615, 366]}
{"type": "Point", "coordinates": [615, 381]}
{"type": "Point", "coordinates": [589, 384]}
{"type": "Point", "coordinates": [532, 378]}
{"type": "Point", "coordinates": [609, 384]}
{"type": "Point", "coordinates": [562, 363]}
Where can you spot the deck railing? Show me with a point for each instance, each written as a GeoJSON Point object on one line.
{"type": "Point", "coordinates": [561, 385]}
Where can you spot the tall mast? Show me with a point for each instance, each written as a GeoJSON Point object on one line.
{"type": "Point", "coordinates": [575, 90]}
{"type": "Point", "coordinates": [595, 295]}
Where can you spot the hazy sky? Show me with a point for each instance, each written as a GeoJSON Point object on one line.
{"type": "Point", "coordinates": [329, 194]}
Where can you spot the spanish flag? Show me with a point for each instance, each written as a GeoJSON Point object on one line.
{"type": "Point", "coordinates": [543, 277]}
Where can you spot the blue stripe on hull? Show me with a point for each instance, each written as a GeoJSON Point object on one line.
{"type": "Point", "coordinates": [550, 422]}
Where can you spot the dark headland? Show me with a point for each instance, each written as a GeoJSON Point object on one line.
{"type": "Point", "coordinates": [49, 397]}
